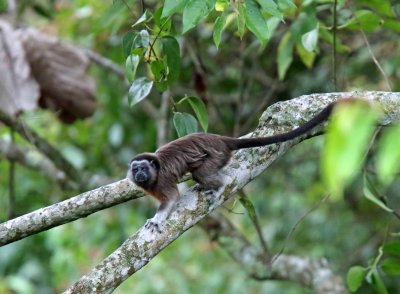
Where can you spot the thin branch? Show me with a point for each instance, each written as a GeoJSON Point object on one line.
{"type": "Point", "coordinates": [43, 146]}
{"type": "Point", "coordinates": [105, 63]}
{"type": "Point", "coordinates": [375, 60]}
{"type": "Point", "coordinates": [32, 160]}
{"type": "Point", "coordinates": [294, 227]}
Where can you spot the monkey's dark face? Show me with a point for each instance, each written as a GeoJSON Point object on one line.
{"type": "Point", "coordinates": [143, 172]}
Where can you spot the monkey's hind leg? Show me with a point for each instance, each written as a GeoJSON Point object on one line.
{"type": "Point", "coordinates": [209, 178]}
{"type": "Point", "coordinates": [168, 203]}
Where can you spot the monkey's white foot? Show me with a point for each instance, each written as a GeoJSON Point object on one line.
{"type": "Point", "coordinates": [153, 226]}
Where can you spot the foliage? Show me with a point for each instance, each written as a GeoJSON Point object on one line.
{"type": "Point", "coordinates": [222, 62]}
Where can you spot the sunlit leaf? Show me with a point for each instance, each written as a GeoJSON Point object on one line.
{"type": "Point", "coordinates": [144, 38]}
{"type": "Point", "coordinates": [285, 54]}
{"type": "Point", "coordinates": [388, 154]}
{"type": "Point", "coordinates": [310, 39]}
{"type": "Point", "coordinates": [146, 16]}
{"type": "Point", "coordinates": [355, 277]}
{"type": "Point", "coordinates": [306, 57]}
{"type": "Point", "coordinates": [349, 132]}
{"type": "Point", "coordinates": [131, 64]}
{"type": "Point", "coordinates": [221, 5]}
{"type": "Point", "coordinates": [139, 90]}
{"type": "Point", "coordinates": [184, 123]}
{"type": "Point", "coordinates": [134, 40]}
{"type": "Point", "coordinates": [195, 11]}
{"type": "Point", "coordinates": [255, 21]}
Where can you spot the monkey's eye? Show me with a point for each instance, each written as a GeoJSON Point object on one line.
{"type": "Point", "coordinates": [135, 169]}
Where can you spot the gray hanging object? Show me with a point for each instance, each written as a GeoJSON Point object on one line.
{"type": "Point", "coordinates": [61, 71]}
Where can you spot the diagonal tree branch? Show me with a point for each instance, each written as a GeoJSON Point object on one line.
{"type": "Point", "coordinates": [194, 205]}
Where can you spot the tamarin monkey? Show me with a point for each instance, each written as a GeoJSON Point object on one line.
{"type": "Point", "coordinates": [201, 154]}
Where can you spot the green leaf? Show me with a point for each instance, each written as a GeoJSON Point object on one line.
{"type": "Point", "coordinates": [128, 41]}
{"type": "Point", "coordinates": [172, 6]}
{"type": "Point", "coordinates": [392, 248]}
{"type": "Point", "coordinates": [172, 52]}
{"type": "Point", "coordinates": [271, 7]}
{"type": "Point", "coordinates": [158, 70]}
{"type": "Point", "coordinates": [255, 21]}
{"type": "Point", "coordinates": [131, 64]}
{"type": "Point", "coordinates": [382, 6]}
{"type": "Point", "coordinates": [195, 11]}
{"type": "Point", "coordinates": [392, 24]}
{"type": "Point", "coordinates": [286, 4]}
{"type": "Point", "coordinates": [355, 277]}
{"type": "Point", "coordinates": [184, 123]}
{"type": "Point", "coordinates": [310, 39]}
{"type": "Point", "coordinates": [135, 40]}
{"type": "Point", "coordinates": [218, 28]}
{"type": "Point", "coordinates": [139, 90]}
{"type": "Point", "coordinates": [199, 109]}
{"type": "Point", "coordinates": [391, 266]}
{"type": "Point", "coordinates": [388, 154]}
{"type": "Point", "coordinates": [305, 56]}
{"type": "Point", "coordinates": [285, 54]}
{"type": "Point", "coordinates": [365, 19]}
{"type": "Point", "coordinates": [376, 281]}
{"type": "Point", "coordinates": [146, 16]}
{"type": "Point", "coordinates": [248, 205]}
{"type": "Point", "coordinates": [221, 5]}
{"type": "Point", "coordinates": [349, 132]}
{"type": "Point", "coordinates": [368, 191]}
{"type": "Point", "coordinates": [241, 19]}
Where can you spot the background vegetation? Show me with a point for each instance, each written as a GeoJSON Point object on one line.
{"type": "Point", "coordinates": [237, 57]}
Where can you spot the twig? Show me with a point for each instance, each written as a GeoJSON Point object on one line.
{"type": "Point", "coordinates": [294, 227]}
{"type": "Point", "coordinates": [388, 85]}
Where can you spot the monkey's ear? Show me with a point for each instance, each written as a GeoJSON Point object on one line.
{"type": "Point", "coordinates": [155, 163]}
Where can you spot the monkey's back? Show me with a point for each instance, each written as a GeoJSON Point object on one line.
{"type": "Point", "coordinates": [191, 152]}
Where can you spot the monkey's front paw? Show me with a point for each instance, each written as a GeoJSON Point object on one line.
{"type": "Point", "coordinates": [153, 226]}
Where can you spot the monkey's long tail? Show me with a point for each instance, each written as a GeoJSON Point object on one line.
{"type": "Point", "coordinates": [236, 143]}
